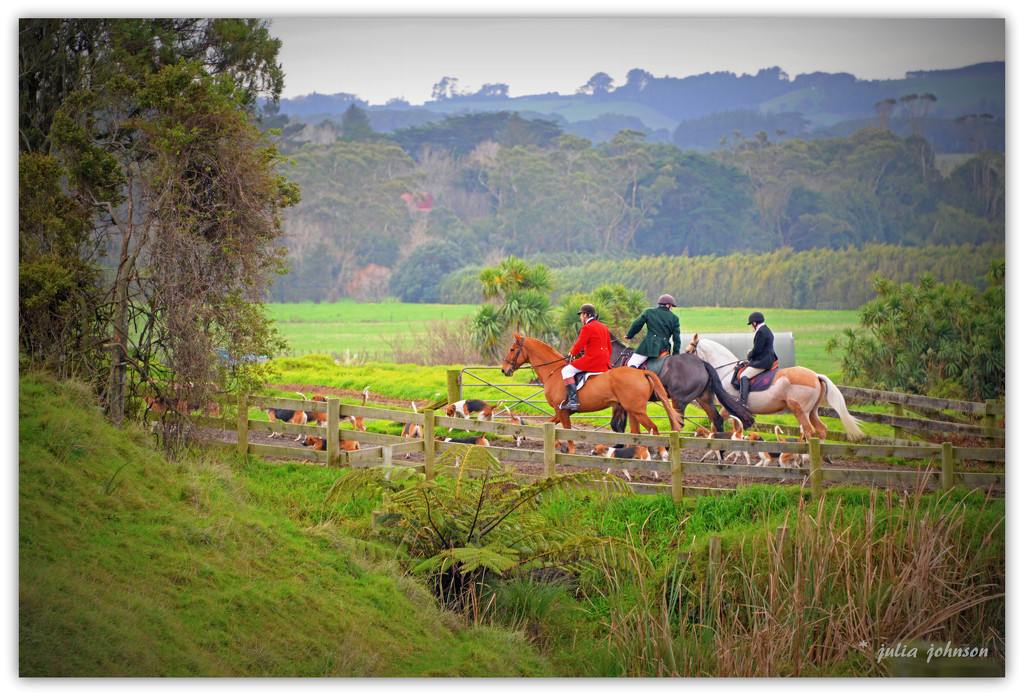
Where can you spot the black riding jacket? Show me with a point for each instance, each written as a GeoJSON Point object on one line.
{"type": "Point", "coordinates": [762, 355]}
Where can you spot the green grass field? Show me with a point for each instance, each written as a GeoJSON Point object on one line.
{"type": "Point", "coordinates": [368, 331]}
{"type": "Point", "coordinates": [347, 329]}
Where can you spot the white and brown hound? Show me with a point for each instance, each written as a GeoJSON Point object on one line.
{"type": "Point", "coordinates": [466, 408]}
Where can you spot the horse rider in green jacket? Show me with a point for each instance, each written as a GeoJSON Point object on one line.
{"type": "Point", "coordinates": [662, 332]}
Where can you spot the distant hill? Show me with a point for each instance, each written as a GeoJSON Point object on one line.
{"type": "Point", "coordinates": [694, 112]}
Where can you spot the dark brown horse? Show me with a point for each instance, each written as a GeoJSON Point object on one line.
{"type": "Point", "coordinates": [628, 387]}
{"type": "Point", "coordinates": [687, 379]}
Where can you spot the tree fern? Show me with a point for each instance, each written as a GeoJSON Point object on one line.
{"type": "Point", "coordinates": [474, 519]}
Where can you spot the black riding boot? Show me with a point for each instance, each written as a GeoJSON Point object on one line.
{"type": "Point", "coordinates": [744, 389]}
{"type": "Point", "coordinates": [572, 402]}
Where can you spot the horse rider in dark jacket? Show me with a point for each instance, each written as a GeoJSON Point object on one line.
{"type": "Point", "coordinates": [662, 332]}
{"type": "Point", "coordinates": [760, 357]}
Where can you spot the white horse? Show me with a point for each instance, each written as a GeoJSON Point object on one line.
{"type": "Point", "coordinates": [798, 389]}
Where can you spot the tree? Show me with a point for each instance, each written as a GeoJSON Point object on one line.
{"type": "Point", "coordinates": [942, 340]}
{"type": "Point", "coordinates": [447, 88]}
{"type": "Point", "coordinates": [418, 278]}
{"type": "Point", "coordinates": [59, 292]}
{"type": "Point", "coordinates": [518, 300]}
{"type": "Point", "coordinates": [154, 123]}
{"type": "Point", "coordinates": [616, 307]}
{"type": "Point", "coordinates": [884, 108]}
{"type": "Point", "coordinates": [600, 83]}
{"type": "Point", "coordinates": [355, 124]}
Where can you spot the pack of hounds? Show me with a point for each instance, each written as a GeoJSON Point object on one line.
{"type": "Point", "coordinates": [300, 417]}
{"type": "Point", "coordinates": [764, 457]}
{"type": "Point", "coordinates": [483, 411]}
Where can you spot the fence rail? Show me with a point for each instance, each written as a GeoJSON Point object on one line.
{"type": "Point", "coordinates": [378, 448]}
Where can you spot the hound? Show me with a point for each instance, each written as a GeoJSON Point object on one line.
{"type": "Point", "coordinates": [631, 452]}
{"type": "Point", "coordinates": [515, 420]}
{"type": "Point", "coordinates": [466, 408]}
{"type": "Point", "coordinates": [472, 440]}
{"type": "Point", "coordinates": [318, 443]}
{"type": "Point", "coordinates": [157, 406]}
{"type": "Point", "coordinates": [357, 421]}
{"type": "Point", "coordinates": [291, 416]}
{"type": "Point", "coordinates": [763, 458]}
{"type": "Point", "coordinates": [737, 434]}
{"type": "Point", "coordinates": [411, 430]}
{"type": "Point", "coordinates": [785, 458]}
{"type": "Point", "coordinates": [320, 417]}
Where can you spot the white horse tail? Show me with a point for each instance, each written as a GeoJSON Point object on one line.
{"type": "Point", "coordinates": [836, 400]}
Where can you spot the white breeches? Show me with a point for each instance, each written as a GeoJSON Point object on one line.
{"type": "Point", "coordinates": [635, 360]}
{"type": "Point", "coordinates": [749, 372]}
{"type": "Point", "coordinates": [568, 371]}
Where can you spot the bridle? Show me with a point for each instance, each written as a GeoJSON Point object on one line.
{"type": "Point", "coordinates": [521, 351]}
{"type": "Point", "coordinates": [693, 346]}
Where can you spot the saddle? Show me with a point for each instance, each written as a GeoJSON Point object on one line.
{"type": "Point", "coordinates": [761, 381]}
{"type": "Point", "coordinates": [651, 364]}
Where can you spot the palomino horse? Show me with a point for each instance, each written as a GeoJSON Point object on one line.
{"type": "Point", "coordinates": [798, 389]}
{"type": "Point", "coordinates": [629, 387]}
{"type": "Point", "coordinates": [687, 378]}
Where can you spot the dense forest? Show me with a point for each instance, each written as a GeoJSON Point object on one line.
{"type": "Point", "coordinates": [429, 200]}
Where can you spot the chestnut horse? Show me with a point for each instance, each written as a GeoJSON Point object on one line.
{"type": "Point", "coordinates": [798, 389]}
{"type": "Point", "coordinates": [629, 387]}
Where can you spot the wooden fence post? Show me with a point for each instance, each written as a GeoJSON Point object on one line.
{"type": "Point", "coordinates": [784, 547]}
{"type": "Point", "coordinates": [333, 413]}
{"type": "Point", "coordinates": [677, 466]}
{"type": "Point", "coordinates": [947, 466]}
{"type": "Point", "coordinates": [990, 418]}
{"type": "Point", "coordinates": [428, 443]}
{"type": "Point", "coordinates": [815, 448]}
{"type": "Point", "coordinates": [243, 425]}
{"type": "Point", "coordinates": [549, 449]}
{"type": "Point", "coordinates": [897, 431]}
{"type": "Point", "coordinates": [454, 387]}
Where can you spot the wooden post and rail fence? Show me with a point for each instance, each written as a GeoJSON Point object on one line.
{"type": "Point", "coordinates": [382, 448]}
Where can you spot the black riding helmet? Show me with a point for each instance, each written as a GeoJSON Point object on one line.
{"type": "Point", "coordinates": [755, 317]}
{"type": "Point", "coordinates": [667, 300]}
{"type": "Point", "coordinates": [588, 309]}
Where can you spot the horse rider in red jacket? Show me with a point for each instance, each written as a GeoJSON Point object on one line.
{"type": "Point", "coordinates": [595, 341]}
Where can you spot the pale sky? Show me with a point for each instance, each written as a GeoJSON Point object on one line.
{"type": "Point", "coordinates": [404, 54]}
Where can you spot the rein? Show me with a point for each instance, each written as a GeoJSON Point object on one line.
{"type": "Point", "coordinates": [520, 350]}
{"type": "Point", "coordinates": [693, 344]}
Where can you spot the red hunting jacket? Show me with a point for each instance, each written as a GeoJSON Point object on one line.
{"type": "Point", "coordinates": [596, 343]}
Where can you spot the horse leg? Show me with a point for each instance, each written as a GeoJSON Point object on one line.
{"type": "Point", "coordinates": [816, 421]}
{"type": "Point", "coordinates": [801, 416]}
{"type": "Point", "coordinates": [706, 401]}
{"type": "Point", "coordinates": [571, 448]}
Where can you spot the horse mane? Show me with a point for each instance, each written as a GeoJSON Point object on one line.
{"type": "Point", "coordinates": [714, 345]}
{"type": "Point", "coordinates": [541, 344]}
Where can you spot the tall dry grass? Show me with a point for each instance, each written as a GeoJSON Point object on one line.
{"type": "Point", "coordinates": [443, 343]}
{"type": "Point", "coordinates": [823, 600]}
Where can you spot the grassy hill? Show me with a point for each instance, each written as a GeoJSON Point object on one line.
{"type": "Point", "coordinates": [131, 565]}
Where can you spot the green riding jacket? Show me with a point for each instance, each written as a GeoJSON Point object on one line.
{"type": "Point", "coordinates": [662, 331]}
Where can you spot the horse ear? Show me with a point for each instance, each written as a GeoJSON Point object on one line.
{"type": "Point", "coordinates": [694, 337]}
{"type": "Point", "coordinates": [517, 336]}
